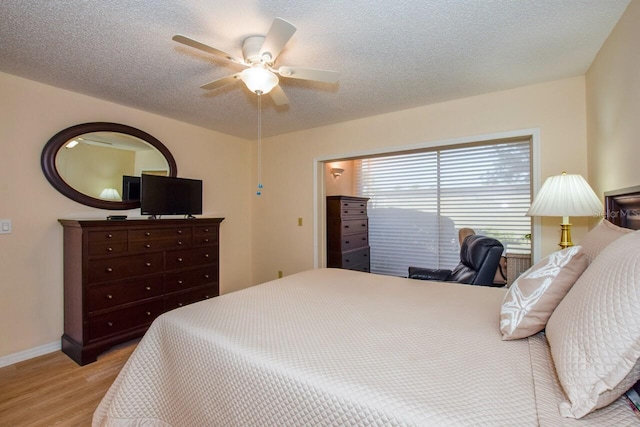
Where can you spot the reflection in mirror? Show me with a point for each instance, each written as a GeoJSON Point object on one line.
{"type": "Point", "coordinates": [105, 165]}
{"type": "Point", "coordinates": [99, 164]}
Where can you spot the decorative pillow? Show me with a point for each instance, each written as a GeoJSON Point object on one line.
{"type": "Point", "coordinates": [594, 333]}
{"type": "Point", "coordinates": [537, 292]}
{"type": "Point", "coordinates": [600, 237]}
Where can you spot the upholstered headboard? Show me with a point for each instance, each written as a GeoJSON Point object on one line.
{"type": "Point", "coordinates": [623, 207]}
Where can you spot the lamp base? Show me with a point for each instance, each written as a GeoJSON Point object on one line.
{"type": "Point", "coordinates": [565, 235]}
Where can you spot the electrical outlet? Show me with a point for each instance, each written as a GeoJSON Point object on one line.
{"type": "Point", "coordinates": [280, 274]}
{"type": "Point", "coordinates": [5, 226]}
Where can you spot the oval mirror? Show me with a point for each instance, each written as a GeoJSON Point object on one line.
{"type": "Point", "coordinates": [100, 164]}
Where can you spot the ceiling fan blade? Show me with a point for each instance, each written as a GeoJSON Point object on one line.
{"type": "Point", "coordinates": [221, 82]}
{"type": "Point", "coordinates": [278, 96]}
{"type": "Point", "coordinates": [326, 76]}
{"type": "Point", "coordinates": [206, 48]}
{"type": "Point", "coordinates": [277, 37]}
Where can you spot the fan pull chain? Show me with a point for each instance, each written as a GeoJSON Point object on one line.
{"type": "Point", "coordinates": [259, 192]}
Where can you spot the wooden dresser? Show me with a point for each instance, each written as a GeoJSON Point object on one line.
{"type": "Point", "coordinates": [120, 275]}
{"type": "Point", "coordinates": [348, 233]}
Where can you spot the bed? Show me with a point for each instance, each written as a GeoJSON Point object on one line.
{"type": "Point", "coordinates": [331, 347]}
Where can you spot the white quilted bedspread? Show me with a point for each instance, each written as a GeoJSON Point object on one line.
{"type": "Point", "coordinates": [332, 347]}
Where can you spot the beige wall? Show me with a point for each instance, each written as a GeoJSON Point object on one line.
{"type": "Point", "coordinates": [613, 101]}
{"type": "Point", "coordinates": [557, 109]}
{"type": "Point", "coordinates": [341, 185]}
{"type": "Point", "coordinates": [31, 257]}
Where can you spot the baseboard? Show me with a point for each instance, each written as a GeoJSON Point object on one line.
{"type": "Point", "coordinates": [29, 354]}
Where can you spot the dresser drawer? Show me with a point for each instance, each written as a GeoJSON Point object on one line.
{"type": "Point", "coordinates": [160, 233]}
{"type": "Point", "coordinates": [365, 267]}
{"type": "Point", "coordinates": [160, 244]}
{"type": "Point", "coordinates": [181, 280]}
{"type": "Point", "coordinates": [185, 298]}
{"type": "Point", "coordinates": [353, 207]}
{"type": "Point", "coordinates": [350, 242]}
{"type": "Point", "coordinates": [100, 297]}
{"type": "Point", "coordinates": [205, 235]}
{"type": "Point", "coordinates": [122, 320]}
{"type": "Point", "coordinates": [175, 260]}
{"type": "Point", "coordinates": [103, 270]}
{"type": "Point", "coordinates": [107, 236]}
{"type": "Point", "coordinates": [107, 247]}
{"type": "Point", "coordinates": [353, 258]}
{"type": "Point", "coordinates": [354, 226]}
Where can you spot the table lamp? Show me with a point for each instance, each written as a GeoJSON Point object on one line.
{"type": "Point", "coordinates": [565, 195]}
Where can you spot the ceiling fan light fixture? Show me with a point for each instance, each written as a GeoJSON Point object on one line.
{"type": "Point", "coordinates": [259, 79]}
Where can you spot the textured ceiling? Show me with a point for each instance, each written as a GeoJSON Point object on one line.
{"type": "Point", "coordinates": [391, 55]}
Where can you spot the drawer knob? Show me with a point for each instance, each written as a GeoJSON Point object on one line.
{"type": "Point", "coordinates": [109, 296]}
{"type": "Point", "coordinates": [207, 297]}
{"type": "Point", "coordinates": [109, 269]}
{"type": "Point", "coordinates": [363, 225]}
{"type": "Point", "coordinates": [180, 282]}
{"type": "Point", "coordinates": [109, 235]}
{"type": "Point", "coordinates": [148, 233]}
{"type": "Point", "coordinates": [148, 264]}
{"type": "Point", "coordinates": [206, 255]}
{"type": "Point", "coordinates": [109, 324]}
{"type": "Point", "coordinates": [347, 242]}
{"type": "Point", "coordinates": [148, 313]}
{"type": "Point", "coordinates": [206, 230]}
{"type": "Point", "coordinates": [179, 243]}
{"type": "Point", "coordinates": [346, 226]}
{"type": "Point", "coordinates": [206, 240]}
{"type": "Point", "coordinates": [206, 276]}
{"type": "Point", "coordinates": [180, 260]}
{"type": "Point", "coordinates": [109, 249]}
{"type": "Point", "coordinates": [179, 304]}
{"type": "Point", "coordinates": [147, 246]}
{"type": "Point", "coordinates": [147, 288]}
{"type": "Point", "coordinates": [179, 231]}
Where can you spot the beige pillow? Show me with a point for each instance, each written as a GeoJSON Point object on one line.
{"type": "Point", "coordinates": [594, 333]}
{"type": "Point", "coordinates": [537, 292]}
{"type": "Point", "coordinates": [600, 237]}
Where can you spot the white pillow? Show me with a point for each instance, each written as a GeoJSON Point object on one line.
{"type": "Point", "coordinates": [537, 292]}
{"type": "Point", "coordinates": [594, 333]}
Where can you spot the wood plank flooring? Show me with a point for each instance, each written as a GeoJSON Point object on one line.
{"type": "Point", "coordinates": [52, 390]}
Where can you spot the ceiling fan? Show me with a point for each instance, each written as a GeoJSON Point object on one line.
{"type": "Point", "coordinates": [259, 56]}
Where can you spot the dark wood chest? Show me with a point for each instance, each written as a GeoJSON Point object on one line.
{"type": "Point", "coordinates": [120, 275]}
{"type": "Point", "coordinates": [348, 233]}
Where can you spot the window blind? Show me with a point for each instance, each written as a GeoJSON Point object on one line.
{"type": "Point", "coordinates": [419, 201]}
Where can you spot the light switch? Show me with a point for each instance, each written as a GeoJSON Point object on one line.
{"type": "Point", "coordinates": [5, 226]}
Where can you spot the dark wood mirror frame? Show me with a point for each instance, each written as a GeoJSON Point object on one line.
{"type": "Point", "coordinates": [59, 140]}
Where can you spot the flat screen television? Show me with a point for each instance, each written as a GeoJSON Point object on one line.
{"type": "Point", "coordinates": [130, 187]}
{"type": "Point", "coordinates": [163, 195]}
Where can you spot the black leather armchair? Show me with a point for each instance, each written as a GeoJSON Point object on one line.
{"type": "Point", "coordinates": [479, 259]}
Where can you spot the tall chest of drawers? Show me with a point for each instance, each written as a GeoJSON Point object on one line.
{"type": "Point", "coordinates": [348, 233]}
{"type": "Point", "coordinates": [120, 275]}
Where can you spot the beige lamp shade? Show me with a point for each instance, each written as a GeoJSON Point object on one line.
{"type": "Point", "coordinates": [565, 195]}
{"type": "Point", "coordinates": [110, 194]}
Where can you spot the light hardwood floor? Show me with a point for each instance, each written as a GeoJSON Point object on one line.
{"type": "Point", "coordinates": [52, 390]}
